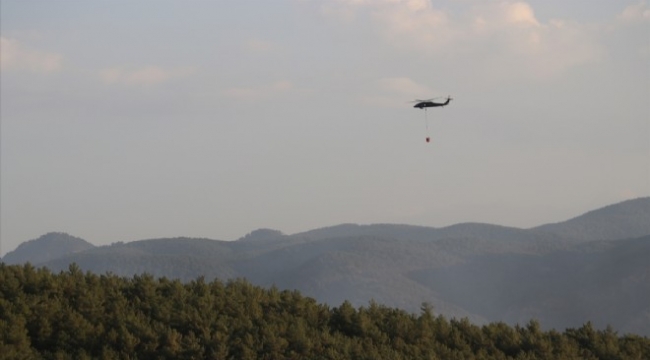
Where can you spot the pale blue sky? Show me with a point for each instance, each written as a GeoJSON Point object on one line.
{"type": "Point", "coordinates": [128, 120]}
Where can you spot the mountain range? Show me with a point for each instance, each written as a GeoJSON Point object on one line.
{"type": "Point", "coordinates": [594, 267]}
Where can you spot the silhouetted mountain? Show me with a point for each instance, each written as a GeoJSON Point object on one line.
{"type": "Point", "coordinates": [628, 219]}
{"type": "Point", "coordinates": [481, 271]}
{"type": "Point", "coordinates": [491, 236]}
{"type": "Point", "coordinates": [606, 282]}
{"type": "Point", "coordinates": [262, 234]}
{"type": "Point", "coordinates": [181, 258]}
{"type": "Point", "coordinates": [47, 247]}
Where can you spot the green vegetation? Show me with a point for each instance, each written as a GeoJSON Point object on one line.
{"type": "Point", "coordinates": [83, 315]}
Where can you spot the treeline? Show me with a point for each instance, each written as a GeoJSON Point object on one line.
{"type": "Point", "coordinates": [83, 315]}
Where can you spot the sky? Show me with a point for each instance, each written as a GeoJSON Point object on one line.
{"type": "Point", "coordinates": [123, 120]}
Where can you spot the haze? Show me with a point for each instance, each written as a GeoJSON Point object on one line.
{"type": "Point", "coordinates": [131, 120]}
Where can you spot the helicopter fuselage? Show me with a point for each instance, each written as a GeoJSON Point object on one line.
{"type": "Point", "coordinates": [426, 104]}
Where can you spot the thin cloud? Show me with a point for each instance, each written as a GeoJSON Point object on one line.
{"type": "Point", "coordinates": [526, 46]}
{"type": "Point", "coordinates": [519, 13]}
{"type": "Point", "coordinates": [260, 91]}
{"type": "Point", "coordinates": [394, 91]}
{"type": "Point", "coordinates": [403, 86]}
{"type": "Point", "coordinates": [15, 56]}
{"type": "Point", "coordinates": [506, 33]}
{"type": "Point", "coordinates": [148, 75]}
{"type": "Point", "coordinates": [412, 22]}
{"type": "Point", "coordinates": [634, 16]}
{"type": "Point", "coordinates": [259, 46]}
{"type": "Point", "coordinates": [417, 25]}
{"type": "Point", "coordinates": [635, 13]}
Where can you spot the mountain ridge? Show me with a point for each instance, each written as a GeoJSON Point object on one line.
{"type": "Point", "coordinates": [518, 273]}
{"type": "Point", "coordinates": [627, 219]}
{"type": "Point", "coordinates": [47, 247]}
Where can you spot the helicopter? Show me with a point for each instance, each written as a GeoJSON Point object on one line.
{"type": "Point", "coordinates": [423, 104]}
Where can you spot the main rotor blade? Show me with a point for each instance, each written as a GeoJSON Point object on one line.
{"type": "Point", "coordinates": [425, 100]}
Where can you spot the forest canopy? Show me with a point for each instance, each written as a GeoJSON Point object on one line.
{"type": "Point", "coordinates": [84, 315]}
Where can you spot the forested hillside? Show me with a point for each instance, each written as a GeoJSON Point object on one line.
{"type": "Point", "coordinates": [483, 272]}
{"type": "Point", "coordinates": [83, 315]}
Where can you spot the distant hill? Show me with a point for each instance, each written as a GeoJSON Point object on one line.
{"type": "Point", "coordinates": [180, 258]}
{"type": "Point", "coordinates": [48, 247]}
{"type": "Point", "coordinates": [624, 220]}
{"type": "Point", "coordinates": [628, 219]}
{"type": "Point", "coordinates": [562, 274]}
{"type": "Point", "coordinates": [262, 234]}
{"type": "Point", "coordinates": [607, 282]}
